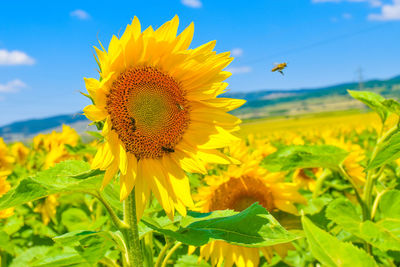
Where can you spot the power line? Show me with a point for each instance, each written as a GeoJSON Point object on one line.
{"type": "Point", "coordinates": [318, 43]}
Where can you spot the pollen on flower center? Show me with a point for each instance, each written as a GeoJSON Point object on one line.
{"type": "Point", "coordinates": [148, 110]}
{"type": "Point", "coordinates": [240, 193]}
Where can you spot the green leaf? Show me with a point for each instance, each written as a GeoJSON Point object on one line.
{"type": "Point", "coordinates": [253, 227]}
{"type": "Point", "coordinates": [372, 100]}
{"type": "Point", "coordinates": [307, 156]}
{"type": "Point", "coordinates": [57, 179]}
{"type": "Point", "coordinates": [330, 251]}
{"type": "Point", "coordinates": [389, 206]}
{"type": "Point", "coordinates": [384, 234]}
{"type": "Point", "coordinates": [389, 151]}
{"type": "Point", "coordinates": [392, 105]}
{"type": "Point", "coordinates": [91, 245]}
{"type": "Point", "coordinates": [190, 261]}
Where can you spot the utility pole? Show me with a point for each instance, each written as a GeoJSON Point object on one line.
{"type": "Point", "coordinates": [360, 79]}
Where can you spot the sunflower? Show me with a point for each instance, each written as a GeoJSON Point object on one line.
{"type": "Point", "coordinates": [306, 178]}
{"type": "Point", "coordinates": [4, 187]}
{"type": "Point", "coordinates": [158, 102]}
{"type": "Point", "coordinates": [249, 184]}
{"type": "Point", "coordinates": [20, 152]}
{"type": "Point", "coordinates": [6, 160]}
{"type": "Point", "coordinates": [351, 163]}
{"type": "Point", "coordinates": [54, 145]}
{"type": "Point", "coordinates": [47, 208]}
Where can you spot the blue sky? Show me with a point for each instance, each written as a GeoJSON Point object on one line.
{"type": "Point", "coordinates": [46, 47]}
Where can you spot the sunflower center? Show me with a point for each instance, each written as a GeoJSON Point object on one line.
{"type": "Point", "coordinates": [148, 110]}
{"type": "Point", "coordinates": [240, 193]}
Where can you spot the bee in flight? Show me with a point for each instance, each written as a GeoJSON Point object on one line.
{"type": "Point", "coordinates": [279, 67]}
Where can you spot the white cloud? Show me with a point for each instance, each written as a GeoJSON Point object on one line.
{"type": "Point", "coordinates": [388, 12]}
{"type": "Point", "coordinates": [240, 70]}
{"type": "Point", "coordinates": [237, 52]}
{"type": "Point", "coordinates": [12, 86]}
{"type": "Point", "coordinates": [192, 3]}
{"type": "Point", "coordinates": [347, 16]}
{"type": "Point", "coordinates": [80, 14]}
{"type": "Point", "coordinates": [374, 3]}
{"type": "Point", "coordinates": [15, 58]}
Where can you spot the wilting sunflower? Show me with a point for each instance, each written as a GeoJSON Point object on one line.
{"type": "Point", "coordinates": [248, 185]}
{"type": "Point", "coordinates": [158, 101]}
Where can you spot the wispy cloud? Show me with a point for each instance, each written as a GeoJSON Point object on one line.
{"type": "Point", "coordinates": [347, 16]}
{"type": "Point", "coordinates": [15, 58]}
{"type": "Point", "coordinates": [237, 52]}
{"type": "Point", "coordinates": [80, 14]}
{"type": "Point", "coordinates": [388, 12]}
{"type": "Point", "coordinates": [13, 86]}
{"type": "Point", "coordinates": [374, 3]}
{"type": "Point", "coordinates": [192, 3]}
{"type": "Point", "coordinates": [240, 70]}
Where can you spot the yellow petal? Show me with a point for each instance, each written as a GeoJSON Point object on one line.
{"type": "Point", "coordinates": [110, 173]}
{"type": "Point", "coordinates": [179, 181]}
{"type": "Point", "coordinates": [128, 181]}
{"type": "Point", "coordinates": [94, 113]}
{"type": "Point", "coordinates": [154, 175]}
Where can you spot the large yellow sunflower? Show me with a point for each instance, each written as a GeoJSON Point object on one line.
{"type": "Point", "coordinates": [238, 192]}
{"type": "Point", "coordinates": [158, 101]}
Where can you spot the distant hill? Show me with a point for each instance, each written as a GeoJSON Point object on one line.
{"type": "Point", "coordinates": [262, 103]}
{"type": "Point", "coordinates": [298, 101]}
{"type": "Point", "coordinates": [26, 129]}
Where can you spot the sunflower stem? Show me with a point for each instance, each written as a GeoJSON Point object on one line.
{"type": "Point", "coordinates": [131, 233]}
{"type": "Point", "coordinates": [165, 261]}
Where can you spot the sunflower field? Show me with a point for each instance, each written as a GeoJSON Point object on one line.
{"type": "Point", "coordinates": [171, 178]}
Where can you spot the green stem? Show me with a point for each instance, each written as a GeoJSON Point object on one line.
{"type": "Point", "coordinates": [177, 245]}
{"type": "Point", "coordinates": [319, 183]}
{"type": "Point", "coordinates": [369, 185]}
{"type": "Point", "coordinates": [131, 233]}
{"type": "Point", "coordinates": [162, 253]}
{"type": "Point", "coordinates": [117, 221]}
{"type": "Point", "coordinates": [356, 189]}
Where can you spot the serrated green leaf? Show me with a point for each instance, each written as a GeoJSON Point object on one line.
{"type": "Point", "coordinates": [306, 156]}
{"type": "Point", "coordinates": [328, 250]}
{"type": "Point", "coordinates": [253, 227]}
{"type": "Point", "coordinates": [57, 179]}
{"type": "Point", "coordinates": [372, 100]}
{"type": "Point", "coordinates": [389, 151]}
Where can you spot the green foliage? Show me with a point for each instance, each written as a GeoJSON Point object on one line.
{"type": "Point", "coordinates": [253, 227]}
{"type": "Point", "coordinates": [306, 156]}
{"type": "Point", "coordinates": [372, 100]}
{"type": "Point", "coordinates": [389, 151]}
{"type": "Point", "coordinates": [383, 234]}
{"type": "Point", "coordinates": [332, 252]}
{"type": "Point", "coordinates": [91, 245]}
{"type": "Point", "coordinates": [392, 105]}
{"type": "Point", "coordinates": [66, 176]}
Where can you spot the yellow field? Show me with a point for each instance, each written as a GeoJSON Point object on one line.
{"type": "Point", "coordinates": [313, 122]}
